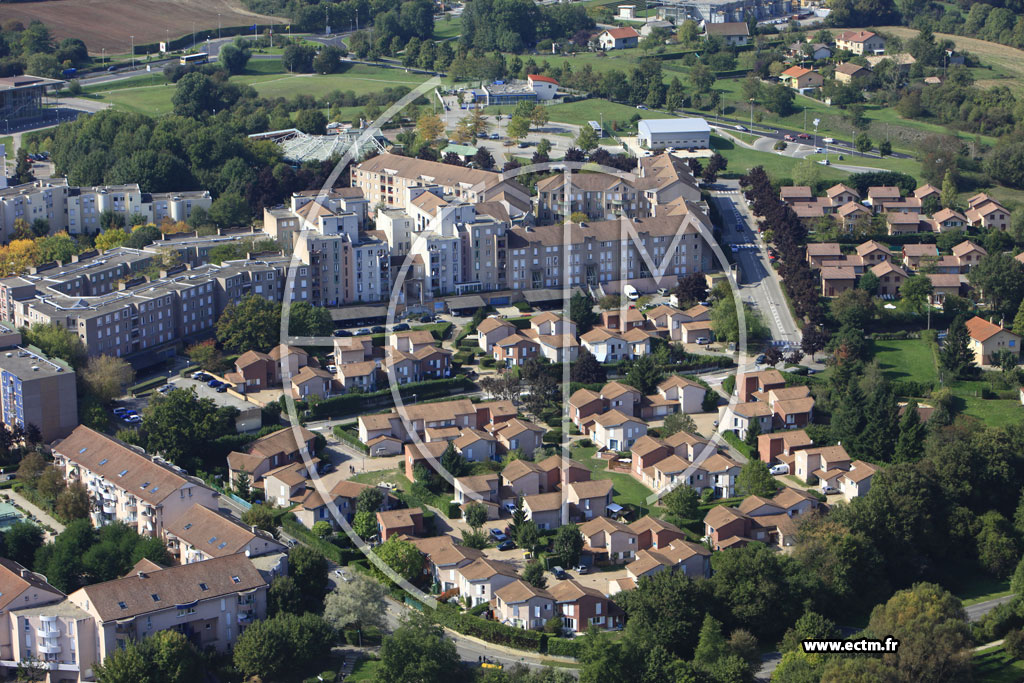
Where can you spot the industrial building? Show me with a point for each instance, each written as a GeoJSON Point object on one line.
{"type": "Point", "coordinates": [658, 134]}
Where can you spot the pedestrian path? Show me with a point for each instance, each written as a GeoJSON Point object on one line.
{"type": "Point", "coordinates": [35, 510]}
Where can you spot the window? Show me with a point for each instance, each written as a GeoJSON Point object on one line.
{"type": "Point", "coordinates": [235, 579]}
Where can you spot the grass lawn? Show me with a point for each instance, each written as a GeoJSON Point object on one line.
{"type": "Point", "coordinates": [448, 28]}
{"type": "Point", "coordinates": [8, 142]}
{"type": "Point", "coordinates": [910, 359]}
{"type": "Point", "coordinates": [580, 112]}
{"type": "Point", "coordinates": [628, 491]}
{"type": "Point", "coordinates": [994, 665]}
{"type": "Point", "coordinates": [365, 670]}
{"type": "Point", "coordinates": [153, 100]}
{"type": "Point", "coordinates": [981, 588]}
{"type": "Point", "coordinates": [993, 412]}
{"type": "Point", "coordinates": [742, 160]}
{"type": "Point", "coordinates": [359, 78]}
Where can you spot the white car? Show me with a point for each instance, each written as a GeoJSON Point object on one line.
{"type": "Point", "coordinates": [740, 128]}
{"type": "Point", "coordinates": [782, 468]}
{"type": "Point", "coordinates": [829, 490]}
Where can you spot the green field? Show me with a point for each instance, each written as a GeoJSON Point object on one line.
{"type": "Point", "coordinates": [448, 28]}
{"type": "Point", "coordinates": [909, 359]}
{"type": "Point", "coordinates": [365, 670]}
{"type": "Point", "coordinates": [982, 588]}
{"type": "Point", "coordinates": [628, 491]}
{"type": "Point", "coordinates": [153, 100]}
{"type": "Point", "coordinates": [742, 160]}
{"type": "Point", "coordinates": [991, 411]}
{"type": "Point", "coordinates": [995, 665]}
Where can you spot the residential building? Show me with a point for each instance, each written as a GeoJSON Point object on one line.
{"type": "Point", "coordinates": [128, 486]}
{"type": "Point", "coordinates": [523, 477]}
{"type": "Point", "coordinates": [478, 580]}
{"type": "Point", "coordinates": [692, 559]}
{"type": "Point", "coordinates": [21, 589]}
{"type": "Point", "coordinates": [847, 72]}
{"type": "Point", "coordinates": [523, 605]}
{"type": "Point", "coordinates": [408, 522]}
{"type": "Point", "coordinates": [288, 445]}
{"type": "Point", "coordinates": [35, 391]}
{"type": "Point", "coordinates": [857, 480]}
{"type": "Point", "coordinates": [988, 338]}
{"type": "Point", "coordinates": [589, 499]}
{"type": "Point", "coordinates": [491, 330]}
{"type": "Point", "coordinates": [890, 278]}
{"type": "Point", "coordinates": [799, 78]}
{"type": "Point", "coordinates": [836, 280]}
{"type": "Point", "coordinates": [444, 557]}
{"type": "Point", "coordinates": [656, 533]}
{"type": "Point", "coordinates": [581, 606]}
{"type": "Point", "coordinates": [210, 602]}
{"type": "Point", "coordinates": [545, 509]}
{"type": "Point", "coordinates": [860, 42]}
{"type": "Point", "coordinates": [200, 534]}
{"type": "Point", "coordinates": [616, 431]}
{"type": "Point", "coordinates": [968, 254]}
{"type": "Point", "coordinates": [618, 38]}
{"type": "Point", "coordinates": [609, 540]}
{"type": "Point", "coordinates": [731, 33]}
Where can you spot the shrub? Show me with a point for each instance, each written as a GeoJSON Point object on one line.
{"type": "Point", "coordinates": [488, 362]}
{"type": "Point", "coordinates": [563, 647]}
{"type": "Point", "coordinates": [1014, 643]}
{"type": "Point", "coordinates": [729, 384]}
{"type": "Point", "coordinates": [586, 443]}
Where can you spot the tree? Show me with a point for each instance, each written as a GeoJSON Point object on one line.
{"type": "Point", "coordinates": [269, 647]}
{"type": "Point", "coordinates": [581, 311]}
{"type": "Point", "coordinates": [711, 645]}
{"type": "Point", "coordinates": [262, 517]}
{"type": "Point", "coordinates": [429, 127]}
{"type": "Point", "coordinates": [357, 602]}
{"type": "Point", "coordinates": [682, 502]}
{"type": "Point", "coordinates": [754, 479]}
{"type": "Point", "coordinates": [915, 290]}
{"type": "Point", "coordinates": [1005, 360]}
{"type": "Point", "coordinates": [484, 159]}
{"type": "Point", "coordinates": [644, 375]}
{"type": "Point", "coordinates": [298, 58]}
{"type": "Point", "coordinates": [107, 377]}
{"type": "Point", "coordinates": [165, 657]}
{"type": "Point", "coordinates": [207, 356]}
{"type": "Point", "coordinates": [586, 139]}
{"type": "Point", "coordinates": [868, 282]}
{"type": "Point", "coordinates": [586, 369]}
{"type": "Point", "coordinates": [323, 529]}
{"type": "Point", "coordinates": [370, 500]}
{"type": "Point", "coordinates": [931, 627]}
{"type": "Point", "coordinates": [863, 143]}
{"type": "Point", "coordinates": [251, 324]}
{"type": "Point", "coordinates": [751, 583]}
{"type": "Point", "coordinates": [311, 121]}
{"type": "Point", "coordinates": [810, 626]}
{"type": "Point", "coordinates": [234, 57]}
{"type": "Point", "coordinates": [533, 574]}
{"type": "Point", "coordinates": [855, 307]}
{"type": "Point", "coordinates": [328, 61]}
{"type": "Point", "coordinates": [306, 320]}
{"type": "Point", "coordinates": [182, 427]}
{"type": "Point", "coordinates": [691, 289]}
{"type": "Point", "coordinates": [73, 502]}
{"type": "Point", "coordinates": [568, 544]}
{"type": "Point", "coordinates": [402, 556]}
{"type": "Point", "coordinates": [778, 99]}
{"type": "Point", "coordinates": [476, 515]}
{"type": "Point", "coordinates": [364, 523]}
{"type": "Point", "coordinates": [417, 651]}
{"type": "Point", "coordinates": [539, 116]}
{"type": "Point", "coordinates": [1000, 279]}
{"type": "Point", "coordinates": [956, 355]}
{"type": "Point", "coordinates": [949, 190]}
{"type": "Point", "coordinates": [753, 431]}
{"type": "Point", "coordinates": [23, 539]}
{"type": "Point", "coordinates": [678, 422]}
{"type": "Point", "coordinates": [518, 128]}
{"type": "Point", "coordinates": [884, 148]}
{"type": "Point", "coordinates": [108, 239]}
{"type": "Point", "coordinates": [527, 535]}
{"type": "Point", "coordinates": [308, 567]}
{"type": "Point", "coordinates": [22, 168]}
{"type": "Point", "coordinates": [284, 597]}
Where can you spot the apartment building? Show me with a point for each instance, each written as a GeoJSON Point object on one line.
{"type": "Point", "coordinates": [78, 209]}
{"type": "Point", "coordinates": [327, 212]}
{"type": "Point", "coordinates": [20, 589]}
{"type": "Point", "coordinates": [37, 391]}
{"type": "Point", "coordinates": [201, 534]}
{"type": "Point", "coordinates": [384, 178]}
{"type": "Point", "coordinates": [146, 493]}
{"type": "Point", "coordinates": [210, 602]}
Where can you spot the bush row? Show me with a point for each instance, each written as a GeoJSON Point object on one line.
{"type": "Point", "coordinates": [353, 404]}
{"type": "Point", "coordinates": [295, 528]}
{"type": "Point", "coordinates": [491, 631]}
{"type": "Point", "coordinates": [907, 387]}
{"type": "Point", "coordinates": [345, 435]}
{"type": "Point", "coordinates": [563, 647]}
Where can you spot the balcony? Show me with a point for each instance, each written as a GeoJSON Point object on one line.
{"type": "Point", "coordinates": [109, 508]}
{"type": "Point", "coordinates": [48, 632]}
{"type": "Point", "coordinates": [48, 648]}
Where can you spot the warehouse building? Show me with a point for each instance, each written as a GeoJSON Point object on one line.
{"type": "Point", "coordinates": [658, 134]}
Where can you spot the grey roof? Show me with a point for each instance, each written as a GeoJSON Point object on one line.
{"type": "Point", "coordinates": [687, 125]}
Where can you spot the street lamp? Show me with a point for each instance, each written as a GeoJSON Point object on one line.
{"type": "Point", "coordinates": [193, 35]}
{"type": "Point", "coordinates": [103, 56]}
{"type": "Point", "coordinates": [751, 113]}
{"type": "Point", "coordinates": [133, 53]}
{"type": "Point", "coordinates": [218, 26]}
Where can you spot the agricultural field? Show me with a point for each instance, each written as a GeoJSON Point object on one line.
{"type": "Point", "coordinates": [1006, 63]}
{"type": "Point", "coordinates": [148, 20]}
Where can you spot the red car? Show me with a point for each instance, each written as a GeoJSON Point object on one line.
{"type": "Point", "coordinates": [804, 136]}
{"type": "Point", "coordinates": [789, 137]}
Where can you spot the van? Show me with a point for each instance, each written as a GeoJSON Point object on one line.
{"type": "Point", "coordinates": [630, 292]}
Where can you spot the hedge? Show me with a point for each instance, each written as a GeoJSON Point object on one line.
{"type": "Point", "coordinates": [295, 528]}
{"type": "Point", "coordinates": [907, 387]}
{"type": "Point", "coordinates": [354, 404]}
{"type": "Point", "coordinates": [491, 631]}
{"type": "Point", "coordinates": [353, 439]}
{"type": "Point", "coordinates": [148, 385]}
{"type": "Point", "coordinates": [563, 647]}
{"type": "Point", "coordinates": [729, 384]}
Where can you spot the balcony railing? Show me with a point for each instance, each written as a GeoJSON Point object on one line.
{"type": "Point", "coordinates": [48, 632]}
{"type": "Point", "coordinates": [48, 648]}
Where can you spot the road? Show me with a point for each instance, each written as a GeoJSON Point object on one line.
{"type": "Point", "coordinates": [759, 285]}
{"type": "Point", "coordinates": [975, 612]}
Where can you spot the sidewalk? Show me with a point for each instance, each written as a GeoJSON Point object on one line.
{"type": "Point", "coordinates": [35, 511]}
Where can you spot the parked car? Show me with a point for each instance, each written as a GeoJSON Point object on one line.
{"type": "Point", "coordinates": [804, 136]}
{"type": "Point", "coordinates": [743, 128]}
{"type": "Point", "coordinates": [327, 468]}
{"type": "Point", "coordinates": [362, 332]}
{"type": "Point", "coordinates": [377, 329]}
{"type": "Point", "coordinates": [702, 341]}
{"type": "Point", "coordinates": [559, 573]}
{"type": "Point", "coordinates": [497, 535]}
{"type": "Point", "coordinates": [342, 333]}
{"type": "Point", "coordinates": [510, 507]}
{"type": "Point", "coordinates": [165, 388]}
{"type": "Point", "coordinates": [788, 138]}
{"type": "Point", "coordinates": [760, 358]}
{"type": "Point", "coordinates": [132, 419]}
{"type": "Point", "coordinates": [401, 327]}
{"type": "Point", "coordinates": [507, 544]}
{"type": "Point", "coordinates": [343, 574]}
{"type": "Point", "coordinates": [829, 490]}
{"type": "Point", "coordinates": [213, 383]}
{"type": "Point", "coordinates": [120, 411]}
{"type": "Point", "coordinates": [582, 569]}
{"type": "Point", "coordinates": [201, 376]}
{"type": "Point", "coordinates": [781, 468]}
{"type": "Point", "coordinates": [221, 388]}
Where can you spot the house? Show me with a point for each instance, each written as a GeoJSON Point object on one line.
{"type": "Point", "coordinates": [557, 348]}
{"type": "Point", "coordinates": [476, 445]}
{"type": "Point", "coordinates": [847, 72]}
{"type": "Point", "coordinates": [343, 496]}
{"type": "Point", "coordinates": [492, 330]}
{"type": "Point", "coordinates": [817, 252]}
{"type": "Point", "coordinates": [210, 602]}
{"type": "Point", "coordinates": [616, 431]}
{"type": "Point", "coordinates": [515, 349]}
{"type": "Point", "coordinates": [561, 471]}
{"type": "Point", "coordinates": [444, 557]}
{"type": "Point", "coordinates": [989, 215]}
{"type": "Point", "coordinates": [927, 191]}
{"type": "Point", "coordinates": [815, 51]}
{"type": "Point", "coordinates": [545, 509]}
{"type": "Point", "coordinates": [609, 540]}
{"type": "Point", "coordinates": [741, 416]}
{"type": "Point", "coordinates": [481, 488]}
{"type": "Point", "coordinates": [763, 381]}
{"type": "Point", "coordinates": [801, 79]}
{"type": "Point", "coordinates": [584, 404]}
{"type": "Point", "coordinates": [988, 338]}
{"type": "Point", "coordinates": [311, 382]}
{"type": "Point", "coordinates": [857, 480]}
{"type": "Point", "coordinates": [872, 253]}
{"type": "Point", "coordinates": [860, 42]}
{"type": "Point", "coordinates": [792, 407]}
{"type": "Point", "coordinates": [516, 434]}
{"type": "Point", "coordinates": [363, 375]}
{"type": "Point", "coordinates": [879, 194]}
{"type": "Point", "coordinates": [606, 346]}
{"type": "Point", "coordinates": [418, 417]}
{"type": "Point", "coordinates": [201, 534]}
{"type": "Point", "coordinates": [580, 606]}
{"type": "Point", "coordinates": [836, 280]}
{"type": "Point", "coordinates": [270, 452]}
{"type": "Point", "coordinates": [814, 464]}
{"type": "Point", "coordinates": [523, 605]}
{"type": "Point", "coordinates": [692, 559]}
{"type": "Point", "coordinates": [523, 477]}
{"type": "Point", "coordinates": [850, 212]}
{"type": "Point", "coordinates": [943, 285]}
{"type": "Point", "coordinates": [394, 522]}
{"type": "Point", "coordinates": [588, 499]}
{"type": "Point", "coordinates": [688, 394]}
{"type": "Point", "coordinates": [478, 580]}
{"type": "Point", "coordinates": [792, 194]}
{"type": "Point", "coordinates": [286, 484]}
{"type": "Point", "coordinates": [125, 485]}
{"type": "Point", "coordinates": [287, 360]}
{"type": "Point", "coordinates": [916, 254]}
{"type": "Point", "coordinates": [548, 323]}
{"type": "Point", "coordinates": [618, 38]}
{"type": "Point", "coordinates": [902, 223]}
{"type": "Point", "coordinates": [968, 254]}
{"type": "Point", "coordinates": [781, 445]}
{"type": "Point", "coordinates": [731, 33]}
{"type": "Point", "coordinates": [945, 220]}
{"type": "Point", "coordinates": [890, 278]}
{"type": "Point", "coordinates": [254, 371]}
{"type": "Point", "coordinates": [652, 532]}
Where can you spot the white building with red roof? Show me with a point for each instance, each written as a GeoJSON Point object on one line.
{"type": "Point", "coordinates": [544, 86]}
